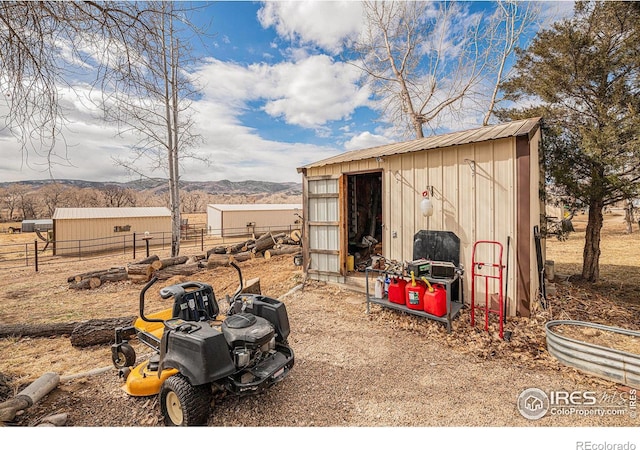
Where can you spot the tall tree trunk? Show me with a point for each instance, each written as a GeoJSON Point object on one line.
{"type": "Point", "coordinates": [591, 253]}
{"type": "Point", "coordinates": [628, 216]}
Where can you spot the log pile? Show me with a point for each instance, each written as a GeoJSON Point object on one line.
{"type": "Point", "coordinates": [94, 279]}
{"type": "Point", "coordinates": [266, 245]}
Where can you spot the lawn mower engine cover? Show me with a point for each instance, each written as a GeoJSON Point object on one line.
{"type": "Point", "coordinates": [249, 336]}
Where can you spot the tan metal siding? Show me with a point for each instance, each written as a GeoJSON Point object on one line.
{"type": "Point", "coordinates": [72, 234]}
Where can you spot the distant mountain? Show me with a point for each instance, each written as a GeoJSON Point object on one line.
{"type": "Point", "coordinates": [157, 185]}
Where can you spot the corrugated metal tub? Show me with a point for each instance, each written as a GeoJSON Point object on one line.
{"type": "Point", "coordinates": [609, 363]}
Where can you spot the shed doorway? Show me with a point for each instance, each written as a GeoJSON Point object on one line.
{"type": "Point", "coordinates": [364, 217]}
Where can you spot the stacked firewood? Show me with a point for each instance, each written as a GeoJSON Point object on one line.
{"type": "Point", "coordinates": [266, 245]}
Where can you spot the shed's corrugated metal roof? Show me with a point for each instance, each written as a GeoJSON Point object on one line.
{"type": "Point", "coordinates": [256, 206]}
{"type": "Point", "coordinates": [505, 130]}
{"type": "Point", "coordinates": [107, 213]}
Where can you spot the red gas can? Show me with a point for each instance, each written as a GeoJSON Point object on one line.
{"type": "Point", "coordinates": [415, 290]}
{"type": "Point", "coordinates": [397, 291]}
{"type": "Point", "coordinates": [435, 300]}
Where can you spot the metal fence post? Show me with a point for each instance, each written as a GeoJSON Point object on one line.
{"type": "Point", "coordinates": [134, 245]}
{"type": "Point", "coordinates": [202, 239]}
{"type": "Point", "coordinates": [35, 245]}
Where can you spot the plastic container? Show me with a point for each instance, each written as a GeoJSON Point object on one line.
{"type": "Point", "coordinates": [350, 263]}
{"type": "Point", "coordinates": [379, 287]}
{"type": "Point", "coordinates": [397, 291]}
{"type": "Point", "coordinates": [415, 290]}
{"type": "Point", "coordinates": [435, 300]}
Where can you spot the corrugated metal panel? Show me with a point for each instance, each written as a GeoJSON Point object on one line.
{"type": "Point", "coordinates": [105, 213]}
{"type": "Point", "coordinates": [510, 129]}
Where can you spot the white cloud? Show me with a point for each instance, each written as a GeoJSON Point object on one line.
{"type": "Point", "coordinates": [366, 140]}
{"type": "Point", "coordinates": [307, 93]}
{"type": "Point", "coordinates": [325, 24]}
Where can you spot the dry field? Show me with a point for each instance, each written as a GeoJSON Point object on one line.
{"type": "Point", "coordinates": [384, 369]}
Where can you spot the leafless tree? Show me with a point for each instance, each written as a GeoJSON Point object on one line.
{"type": "Point", "coordinates": [44, 45]}
{"type": "Point", "coordinates": [427, 61]}
{"type": "Point", "coordinates": [504, 32]}
{"type": "Point", "coordinates": [421, 58]}
{"type": "Point", "coordinates": [155, 102]}
{"type": "Point", "coordinates": [116, 196]}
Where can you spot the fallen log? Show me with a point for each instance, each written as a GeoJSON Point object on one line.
{"type": "Point", "coordinates": [242, 256]}
{"type": "Point", "coordinates": [220, 250]}
{"type": "Point", "coordinates": [148, 260]}
{"type": "Point", "coordinates": [235, 248]}
{"type": "Point", "coordinates": [167, 262]}
{"type": "Point", "coordinates": [182, 269]}
{"type": "Point", "coordinates": [29, 396]}
{"type": "Point", "coordinates": [282, 250]}
{"type": "Point", "coordinates": [140, 271]}
{"type": "Point", "coordinates": [215, 260]}
{"type": "Point", "coordinates": [37, 330]}
{"type": "Point", "coordinates": [98, 331]}
{"type": "Point", "coordinates": [264, 243]}
{"type": "Point", "coordinates": [95, 273]}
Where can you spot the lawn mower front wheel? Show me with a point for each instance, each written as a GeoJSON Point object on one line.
{"type": "Point", "coordinates": [183, 404]}
{"type": "Point", "coordinates": [123, 355]}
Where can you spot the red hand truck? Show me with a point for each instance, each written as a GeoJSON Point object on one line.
{"type": "Point", "coordinates": [492, 271]}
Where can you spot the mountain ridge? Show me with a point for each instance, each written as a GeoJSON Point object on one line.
{"type": "Point", "coordinates": [159, 185]}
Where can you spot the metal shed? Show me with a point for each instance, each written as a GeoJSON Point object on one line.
{"type": "Point", "coordinates": [243, 219]}
{"type": "Point", "coordinates": [94, 230]}
{"type": "Point", "coordinates": [29, 226]}
{"type": "Point", "coordinates": [483, 183]}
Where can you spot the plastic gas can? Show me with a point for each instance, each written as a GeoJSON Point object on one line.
{"type": "Point", "coordinates": [397, 292]}
{"type": "Point", "coordinates": [435, 300]}
{"type": "Point", "coordinates": [415, 290]}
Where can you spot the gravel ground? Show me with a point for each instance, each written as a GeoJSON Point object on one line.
{"type": "Point", "coordinates": [351, 370]}
{"type": "Point", "coordinates": [358, 374]}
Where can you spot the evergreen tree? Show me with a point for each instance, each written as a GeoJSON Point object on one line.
{"type": "Point", "coordinates": [583, 75]}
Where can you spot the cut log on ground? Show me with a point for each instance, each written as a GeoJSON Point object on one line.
{"type": "Point", "coordinates": [168, 262]}
{"type": "Point", "coordinates": [29, 396]}
{"type": "Point", "coordinates": [282, 250]}
{"type": "Point", "coordinates": [240, 246]}
{"type": "Point", "coordinates": [264, 243]}
{"type": "Point", "coordinates": [220, 250]}
{"type": "Point", "coordinates": [242, 256]}
{"type": "Point", "coordinates": [148, 260]}
{"type": "Point", "coordinates": [181, 269]}
{"type": "Point", "coordinates": [95, 273]}
{"type": "Point", "coordinates": [98, 331]}
{"type": "Point", "coordinates": [296, 236]}
{"type": "Point", "coordinates": [140, 272]}
{"type": "Point", "coordinates": [37, 330]}
{"type": "Point", "coordinates": [215, 260]}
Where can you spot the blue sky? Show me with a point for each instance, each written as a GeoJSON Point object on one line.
{"type": "Point", "coordinates": [276, 95]}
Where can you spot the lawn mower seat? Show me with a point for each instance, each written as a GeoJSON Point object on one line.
{"type": "Point", "coordinates": [193, 301]}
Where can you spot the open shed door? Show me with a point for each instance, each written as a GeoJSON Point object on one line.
{"type": "Point", "coordinates": [323, 258]}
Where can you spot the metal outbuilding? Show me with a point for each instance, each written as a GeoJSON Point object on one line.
{"type": "Point", "coordinates": [94, 230]}
{"type": "Point", "coordinates": [31, 225]}
{"type": "Point", "coordinates": [483, 184]}
{"type": "Point", "coordinates": [248, 218]}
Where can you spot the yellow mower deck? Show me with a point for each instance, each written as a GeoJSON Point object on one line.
{"type": "Point", "coordinates": [141, 381]}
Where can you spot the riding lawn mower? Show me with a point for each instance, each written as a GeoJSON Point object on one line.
{"type": "Point", "coordinates": [199, 353]}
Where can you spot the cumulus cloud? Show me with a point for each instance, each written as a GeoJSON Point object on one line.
{"type": "Point", "coordinates": [325, 24]}
{"type": "Point", "coordinates": [366, 139]}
